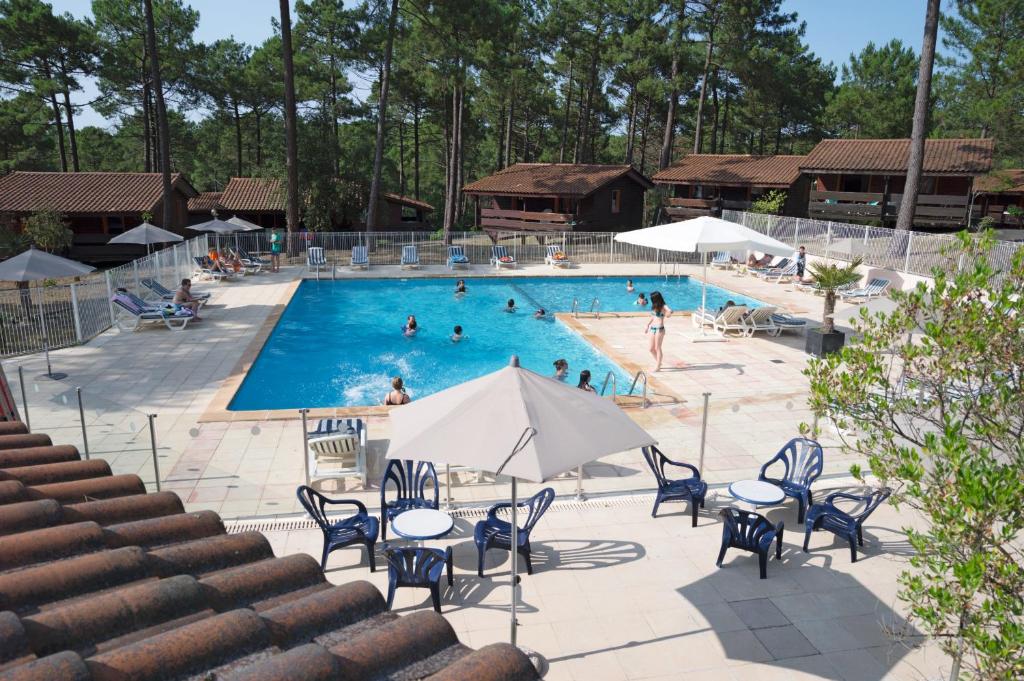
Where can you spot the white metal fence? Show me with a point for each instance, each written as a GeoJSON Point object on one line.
{"type": "Point", "coordinates": [62, 315]}
{"type": "Point", "coordinates": [910, 252]}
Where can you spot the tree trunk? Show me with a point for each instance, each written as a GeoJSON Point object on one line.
{"type": "Point", "coordinates": [924, 86]}
{"type": "Point", "coordinates": [591, 87]}
{"type": "Point", "coordinates": [510, 118]}
{"type": "Point", "coordinates": [501, 139]}
{"type": "Point", "coordinates": [455, 163]}
{"type": "Point", "coordinates": [565, 116]}
{"type": "Point", "coordinates": [778, 130]}
{"type": "Point", "coordinates": [60, 132]}
{"type": "Point", "coordinates": [382, 112]}
{"type": "Point", "coordinates": [401, 155]}
{"type": "Point", "coordinates": [416, 151]}
{"type": "Point", "coordinates": [725, 124]}
{"type": "Point", "coordinates": [259, 139]}
{"type": "Point", "coordinates": [643, 135]}
{"type": "Point", "coordinates": [828, 323]}
{"type": "Point", "coordinates": [238, 139]}
{"type": "Point", "coordinates": [699, 130]}
{"type": "Point", "coordinates": [335, 151]}
{"type": "Point", "coordinates": [631, 127]}
{"type": "Point", "coordinates": [716, 111]}
{"type": "Point", "coordinates": [668, 140]}
{"type": "Point", "coordinates": [290, 131]}
{"type": "Point", "coordinates": [161, 120]}
{"type": "Point", "coordinates": [147, 137]}
{"type": "Point", "coordinates": [69, 112]}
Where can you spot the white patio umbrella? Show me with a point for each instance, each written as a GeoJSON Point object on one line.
{"type": "Point", "coordinates": [244, 224]}
{"type": "Point", "coordinates": [513, 422]}
{"type": "Point", "coordinates": [704, 235]}
{"type": "Point", "coordinates": [146, 234]}
{"type": "Point", "coordinates": [218, 227]}
{"type": "Point", "coordinates": [36, 265]}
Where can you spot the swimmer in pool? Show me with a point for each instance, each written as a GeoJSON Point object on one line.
{"type": "Point", "coordinates": [460, 286]}
{"type": "Point", "coordinates": [641, 300]}
{"type": "Point", "coordinates": [511, 305]}
{"type": "Point", "coordinates": [540, 314]}
{"type": "Point", "coordinates": [457, 335]}
{"type": "Point", "coordinates": [629, 286]}
{"type": "Point", "coordinates": [561, 369]}
{"type": "Point", "coordinates": [410, 327]}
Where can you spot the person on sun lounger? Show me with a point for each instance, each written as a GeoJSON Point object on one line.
{"type": "Point", "coordinates": [183, 298]}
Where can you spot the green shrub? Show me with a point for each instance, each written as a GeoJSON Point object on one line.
{"type": "Point", "coordinates": [770, 203]}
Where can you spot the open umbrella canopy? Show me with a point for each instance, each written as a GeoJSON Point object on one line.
{"type": "Point", "coordinates": [243, 224]}
{"type": "Point", "coordinates": [217, 226]}
{"type": "Point", "coordinates": [478, 423]}
{"type": "Point", "coordinates": [146, 234]}
{"type": "Point", "coordinates": [705, 234]}
{"type": "Point", "coordinates": [33, 265]}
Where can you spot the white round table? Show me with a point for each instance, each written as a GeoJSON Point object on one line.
{"type": "Point", "coordinates": [422, 523]}
{"type": "Point", "coordinates": [757, 492]}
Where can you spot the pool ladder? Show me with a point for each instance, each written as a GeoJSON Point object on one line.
{"type": "Point", "coordinates": [610, 377]}
{"type": "Point", "coordinates": [639, 375]}
{"type": "Point", "coordinates": [595, 307]}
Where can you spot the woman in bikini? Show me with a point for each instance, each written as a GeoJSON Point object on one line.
{"type": "Point", "coordinates": [397, 396]}
{"type": "Point", "coordinates": [656, 326]}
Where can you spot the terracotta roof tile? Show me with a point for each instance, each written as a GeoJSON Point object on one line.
{"type": "Point", "coordinates": [941, 156]}
{"type": "Point", "coordinates": [253, 194]}
{"type": "Point", "coordinates": [71, 193]}
{"type": "Point", "coordinates": [1009, 181]}
{"type": "Point", "coordinates": [204, 202]}
{"type": "Point", "coordinates": [552, 179]}
{"type": "Point", "coordinates": [133, 587]}
{"type": "Point", "coordinates": [738, 170]}
{"type": "Point", "coordinates": [406, 201]}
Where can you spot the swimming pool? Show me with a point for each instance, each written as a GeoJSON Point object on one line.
{"type": "Point", "coordinates": [338, 343]}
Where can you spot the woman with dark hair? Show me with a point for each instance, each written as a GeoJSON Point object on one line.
{"type": "Point", "coordinates": [656, 326]}
{"type": "Point", "coordinates": [584, 383]}
{"type": "Point", "coordinates": [411, 326]}
{"type": "Point", "coordinates": [460, 286]}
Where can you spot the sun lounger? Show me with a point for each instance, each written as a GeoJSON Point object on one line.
{"type": "Point", "coordinates": [316, 260]}
{"type": "Point", "coordinates": [556, 257]}
{"type": "Point", "coordinates": [813, 287]}
{"type": "Point", "coordinates": [337, 448]}
{"type": "Point", "coordinates": [410, 258]}
{"type": "Point", "coordinates": [246, 257]}
{"type": "Point", "coordinates": [131, 315]}
{"type": "Point", "coordinates": [729, 319]}
{"type": "Point", "coordinates": [875, 289]}
{"type": "Point", "coordinates": [204, 268]}
{"type": "Point", "coordinates": [785, 322]}
{"type": "Point", "coordinates": [248, 266]}
{"type": "Point", "coordinates": [722, 259]}
{"type": "Point", "coordinates": [778, 275]}
{"type": "Point", "coordinates": [760, 319]}
{"type": "Point", "coordinates": [500, 258]}
{"type": "Point", "coordinates": [359, 259]}
{"type": "Point", "coordinates": [167, 294]}
{"type": "Point", "coordinates": [457, 257]}
{"type": "Point", "coordinates": [775, 263]}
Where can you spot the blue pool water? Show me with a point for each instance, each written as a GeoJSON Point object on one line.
{"type": "Point", "coordinates": [338, 343]}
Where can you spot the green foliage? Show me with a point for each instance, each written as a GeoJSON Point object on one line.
{"type": "Point", "coordinates": [830, 277]}
{"type": "Point", "coordinates": [48, 231]}
{"type": "Point", "coordinates": [941, 421]}
{"type": "Point", "coordinates": [12, 243]}
{"type": "Point", "coordinates": [770, 203]}
{"type": "Point", "coordinates": [876, 95]}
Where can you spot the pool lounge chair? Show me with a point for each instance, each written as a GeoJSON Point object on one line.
{"type": "Point", "coordinates": [410, 258]}
{"type": "Point", "coordinates": [552, 258]}
{"type": "Point", "coordinates": [246, 257]}
{"type": "Point", "coordinates": [760, 319]}
{"type": "Point", "coordinates": [729, 319]}
{"type": "Point", "coordinates": [774, 264]}
{"type": "Point", "coordinates": [131, 316]}
{"type": "Point", "coordinates": [167, 294]}
{"type": "Point", "coordinates": [785, 322]}
{"type": "Point", "coordinates": [776, 276]}
{"type": "Point", "coordinates": [316, 260]}
{"type": "Point", "coordinates": [337, 448]}
{"type": "Point", "coordinates": [360, 259]}
{"type": "Point", "coordinates": [500, 257]}
{"type": "Point", "coordinates": [248, 266]}
{"type": "Point", "coordinates": [875, 289]}
{"type": "Point", "coordinates": [723, 260]}
{"type": "Point", "coordinates": [204, 268]}
{"type": "Point", "coordinates": [457, 257]}
{"type": "Point", "coordinates": [813, 287]}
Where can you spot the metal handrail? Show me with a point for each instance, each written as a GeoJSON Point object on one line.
{"type": "Point", "coordinates": [575, 307]}
{"type": "Point", "coordinates": [609, 375]}
{"type": "Point", "coordinates": [640, 374]}
{"type": "Point", "coordinates": [595, 307]}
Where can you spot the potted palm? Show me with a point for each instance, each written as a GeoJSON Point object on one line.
{"type": "Point", "coordinates": [829, 279]}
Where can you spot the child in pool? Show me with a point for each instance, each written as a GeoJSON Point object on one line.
{"type": "Point", "coordinates": [641, 300]}
{"type": "Point", "coordinates": [511, 305]}
{"type": "Point", "coordinates": [410, 327]}
{"type": "Point", "coordinates": [540, 314]}
{"type": "Point", "coordinates": [457, 335]}
{"type": "Point", "coordinates": [460, 286]}
{"type": "Point", "coordinates": [629, 286]}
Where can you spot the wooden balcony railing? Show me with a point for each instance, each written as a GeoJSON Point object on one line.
{"type": "Point", "coordinates": [681, 209]}
{"type": "Point", "coordinates": [525, 221]}
{"type": "Point", "coordinates": [940, 210]}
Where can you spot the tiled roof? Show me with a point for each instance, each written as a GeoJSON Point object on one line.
{"type": "Point", "coordinates": [100, 580]}
{"type": "Point", "coordinates": [552, 179]}
{"type": "Point", "coordinates": [25, 192]}
{"type": "Point", "coordinates": [254, 194]}
{"type": "Point", "coordinates": [204, 202]}
{"type": "Point", "coordinates": [1009, 181]}
{"type": "Point", "coordinates": [406, 201]}
{"type": "Point", "coordinates": [738, 170]}
{"type": "Point", "coordinates": [941, 156]}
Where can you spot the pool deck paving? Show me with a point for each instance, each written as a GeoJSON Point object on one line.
{"type": "Point", "coordinates": [629, 617]}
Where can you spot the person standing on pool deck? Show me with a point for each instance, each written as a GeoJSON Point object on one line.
{"type": "Point", "coordinates": [656, 326]}
{"type": "Point", "coordinates": [397, 396]}
{"type": "Point", "coordinates": [275, 250]}
{"type": "Point", "coordinates": [801, 263]}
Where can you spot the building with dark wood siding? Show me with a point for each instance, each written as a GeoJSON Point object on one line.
{"type": "Point", "coordinates": [555, 197]}
{"type": "Point", "coordinates": [701, 184]}
{"type": "Point", "coordinates": [863, 179]}
{"type": "Point", "coordinates": [260, 200]}
{"type": "Point", "coordinates": [1000, 191]}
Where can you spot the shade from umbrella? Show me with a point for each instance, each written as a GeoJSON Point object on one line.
{"type": "Point", "coordinates": [34, 265]}
{"type": "Point", "coordinates": [515, 422]}
{"type": "Point", "coordinates": [216, 226]}
{"type": "Point", "coordinates": [146, 234]}
{"type": "Point", "coordinates": [244, 224]}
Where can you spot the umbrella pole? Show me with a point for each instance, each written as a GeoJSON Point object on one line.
{"type": "Point", "coordinates": [515, 560]}
{"type": "Point", "coordinates": [46, 339]}
{"type": "Point", "coordinates": [704, 291]}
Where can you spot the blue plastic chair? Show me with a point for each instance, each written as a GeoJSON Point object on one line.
{"type": "Point", "coordinates": [749, 531]}
{"type": "Point", "coordinates": [690, 489]}
{"type": "Point", "coordinates": [803, 461]}
{"type": "Point", "coordinates": [410, 479]}
{"type": "Point", "coordinates": [495, 533]}
{"type": "Point", "coordinates": [360, 528]}
{"type": "Point", "coordinates": [847, 525]}
{"type": "Point", "coordinates": [418, 567]}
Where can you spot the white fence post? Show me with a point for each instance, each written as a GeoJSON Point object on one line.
{"type": "Point", "coordinates": [611, 247]}
{"type": "Point", "coordinates": [906, 261]}
{"type": "Point", "coordinates": [135, 273]}
{"type": "Point", "coordinates": [796, 233]}
{"type": "Point", "coordinates": [110, 295]}
{"type": "Point", "coordinates": [75, 313]}
{"type": "Point", "coordinates": [828, 241]}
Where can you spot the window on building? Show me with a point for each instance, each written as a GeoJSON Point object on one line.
{"type": "Point", "coordinates": [616, 200]}
{"type": "Point", "coordinates": [927, 185]}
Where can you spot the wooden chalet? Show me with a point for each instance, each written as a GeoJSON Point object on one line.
{"type": "Point", "coordinates": [260, 200]}
{"type": "Point", "coordinates": [703, 184]}
{"type": "Point", "coordinates": [863, 179]}
{"type": "Point", "coordinates": [998, 192]}
{"type": "Point", "coordinates": [203, 206]}
{"type": "Point", "coordinates": [96, 206]}
{"type": "Point", "coordinates": [396, 212]}
{"type": "Point", "coordinates": [556, 197]}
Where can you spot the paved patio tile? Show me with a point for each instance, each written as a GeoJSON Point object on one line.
{"type": "Point", "coordinates": [758, 613]}
{"type": "Point", "coordinates": [785, 642]}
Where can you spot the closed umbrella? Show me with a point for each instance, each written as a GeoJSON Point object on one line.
{"type": "Point", "coordinates": [146, 234]}
{"type": "Point", "coordinates": [704, 235]}
{"type": "Point", "coordinates": [36, 265]}
{"type": "Point", "coordinates": [513, 422]}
